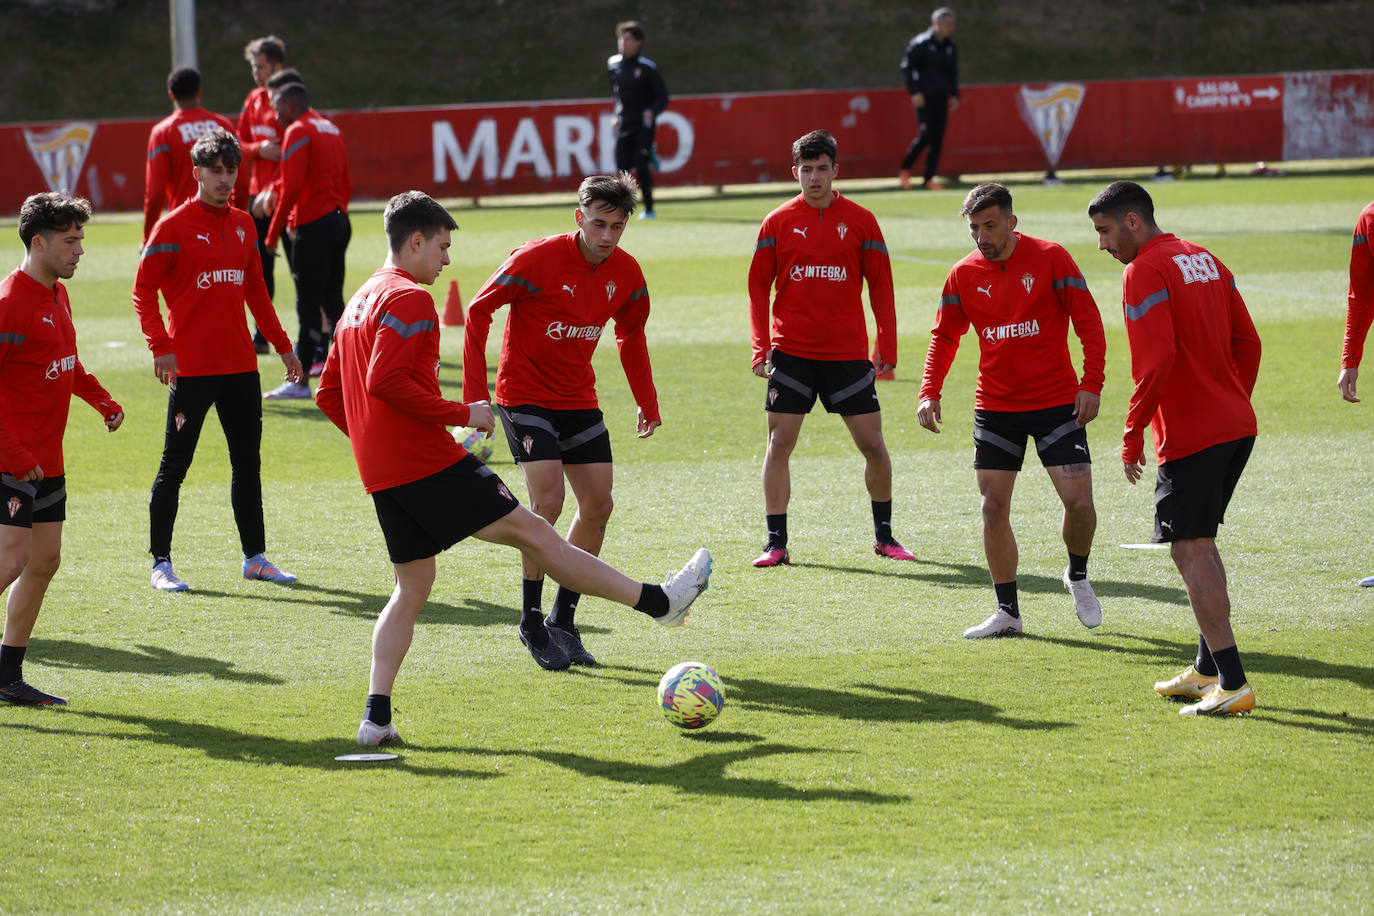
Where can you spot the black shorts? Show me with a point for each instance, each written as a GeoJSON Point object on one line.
{"type": "Point", "coordinates": [24, 503]}
{"type": "Point", "coordinates": [425, 517]}
{"type": "Point", "coordinates": [845, 386]}
{"type": "Point", "coordinates": [570, 436]}
{"type": "Point", "coordinates": [999, 438]}
{"type": "Point", "coordinates": [1192, 493]}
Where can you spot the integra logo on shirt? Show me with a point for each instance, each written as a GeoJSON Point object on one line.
{"type": "Point", "coordinates": [1019, 329]}
{"type": "Point", "coordinates": [836, 272]}
{"type": "Point", "coordinates": [208, 278]}
{"type": "Point", "coordinates": [557, 330]}
{"type": "Point", "coordinates": [58, 366]}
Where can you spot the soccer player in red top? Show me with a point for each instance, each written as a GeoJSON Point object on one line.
{"type": "Point", "coordinates": [315, 187]}
{"type": "Point", "coordinates": [381, 387]}
{"type": "Point", "coordinates": [39, 373]}
{"type": "Point", "coordinates": [562, 290]}
{"type": "Point", "coordinates": [1020, 294]}
{"type": "Point", "coordinates": [1359, 311]}
{"type": "Point", "coordinates": [167, 176]}
{"type": "Point", "coordinates": [1195, 355]}
{"type": "Point", "coordinates": [260, 137]}
{"type": "Point", "coordinates": [203, 258]}
{"type": "Point", "coordinates": [817, 250]}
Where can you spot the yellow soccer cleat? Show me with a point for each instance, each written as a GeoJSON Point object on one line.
{"type": "Point", "coordinates": [1187, 684]}
{"type": "Point", "coordinates": [1219, 702]}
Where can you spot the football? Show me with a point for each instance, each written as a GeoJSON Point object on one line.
{"type": "Point", "coordinates": [691, 695]}
{"type": "Point", "coordinates": [474, 440]}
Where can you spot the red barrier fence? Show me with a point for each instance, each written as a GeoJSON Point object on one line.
{"type": "Point", "coordinates": [479, 150]}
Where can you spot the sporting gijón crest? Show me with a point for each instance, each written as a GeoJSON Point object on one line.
{"type": "Point", "coordinates": [14, 505]}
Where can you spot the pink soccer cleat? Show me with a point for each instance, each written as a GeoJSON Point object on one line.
{"type": "Point", "coordinates": [773, 556]}
{"type": "Point", "coordinates": [892, 550]}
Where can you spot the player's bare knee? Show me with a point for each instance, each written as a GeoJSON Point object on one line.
{"type": "Point", "coordinates": [596, 512]}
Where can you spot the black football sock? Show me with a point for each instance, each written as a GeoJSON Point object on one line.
{"type": "Point", "coordinates": [1078, 567]}
{"type": "Point", "coordinates": [378, 709]}
{"type": "Point", "coordinates": [777, 530]}
{"type": "Point", "coordinates": [157, 560]}
{"type": "Point", "coordinates": [1006, 597]}
{"type": "Point", "coordinates": [882, 521]}
{"type": "Point", "coordinates": [564, 607]}
{"type": "Point", "coordinates": [1228, 664]}
{"type": "Point", "coordinates": [12, 663]}
{"type": "Point", "coordinates": [531, 609]}
{"type": "Point", "coordinates": [653, 600]}
{"type": "Point", "coordinates": [532, 593]}
{"type": "Point", "coordinates": [1204, 665]}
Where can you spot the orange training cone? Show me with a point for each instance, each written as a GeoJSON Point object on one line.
{"type": "Point", "coordinates": [453, 307]}
{"type": "Point", "coordinates": [882, 376]}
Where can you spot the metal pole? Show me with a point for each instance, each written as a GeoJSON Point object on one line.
{"type": "Point", "coordinates": [183, 21]}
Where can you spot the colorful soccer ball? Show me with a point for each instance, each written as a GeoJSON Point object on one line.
{"type": "Point", "coordinates": [474, 440]}
{"type": "Point", "coordinates": [691, 695]}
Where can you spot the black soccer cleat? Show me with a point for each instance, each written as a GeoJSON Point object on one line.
{"type": "Point", "coordinates": [22, 694]}
{"type": "Point", "coordinates": [550, 657]}
{"type": "Point", "coordinates": [569, 639]}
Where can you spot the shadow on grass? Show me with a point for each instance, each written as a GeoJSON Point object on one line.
{"type": "Point", "coordinates": [244, 747]}
{"type": "Point", "coordinates": [705, 774]}
{"type": "Point", "coordinates": [367, 605]}
{"type": "Point", "coordinates": [62, 653]}
{"type": "Point", "coordinates": [868, 702]}
{"type": "Point", "coordinates": [965, 575]}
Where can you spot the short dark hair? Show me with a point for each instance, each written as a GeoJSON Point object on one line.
{"type": "Point", "coordinates": [269, 46]}
{"type": "Point", "coordinates": [184, 83]}
{"type": "Point", "coordinates": [814, 145]}
{"type": "Point", "coordinates": [51, 212]}
{"type": "Point", "coordinates": [217, 144]}
{"type": "Point", "coordinates": [285, 78]}
{"type": "Point", "coordinates": [630, 27]}
{"type": "Point", "coordinates": [295, 93]}
{"type": "Point", "coordinates": [412, 212]}
{"type": "Point", "coordinates": [615, 192]}
{"type": "Point", "coordinates": [1122, 197]}
{"type": "Point", "coordinates": [990, 194]}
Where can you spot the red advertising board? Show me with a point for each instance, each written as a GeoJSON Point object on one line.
{"type": "Point", "coordinates": [480, 150]}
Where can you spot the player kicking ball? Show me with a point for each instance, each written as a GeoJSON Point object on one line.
{"type": "Point", "coordinates": [380, 387]}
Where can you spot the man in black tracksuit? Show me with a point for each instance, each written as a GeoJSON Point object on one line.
{"type": "Point", "coordinates": [931, 66]}
{"type": "Point", "coordinates": [640, 97]}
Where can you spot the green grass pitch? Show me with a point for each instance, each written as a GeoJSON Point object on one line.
{"type": "Point", "coordinates": [868, 758]}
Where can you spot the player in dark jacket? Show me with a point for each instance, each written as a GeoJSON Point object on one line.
{"type": "Point", "coordinates": [640, 97]}
{"type": "Point", "coordinates": [931, 67]}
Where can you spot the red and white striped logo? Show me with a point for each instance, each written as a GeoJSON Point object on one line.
{"type": "Point", "coordinates": [14, 505]}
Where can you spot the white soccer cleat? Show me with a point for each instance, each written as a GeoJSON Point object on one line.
{"type": "Point", "coordinates": [164, 580]}
{"type": "Point", "coordinates": [371, 735]}
{"type": "Point", "coordinates": [1085, 603]}
{"type": "Point", "coordinates": [683, 587]}
{"type": "Point", "coordinates": [999, 624]}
